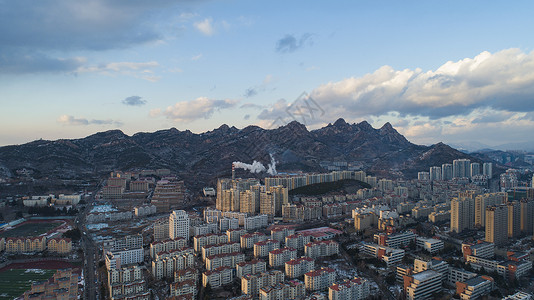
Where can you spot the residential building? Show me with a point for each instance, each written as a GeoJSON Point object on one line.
{"type": "Point", "coordinates": [297, 267]}
{"type": "Point", "coordinates": [262, 249]}
{"type": "Point", "coordinates": [248, 240]}
{"type": "Point", "coordinates": [60, 246]}
{"type": "Point", "coordinates": [218, 277]}
{"type": "Point", "coordinates": [423, 285]}
{"type": "Point", "coordinates": [496, 224]}
{"type": "Point", "coordinates": [354, 289]}
{"type": "Point", "coordinates": [224, 260]}
{"type": "Point", "coordinates": [462, 213]}
{"type": "Point", "coordinates": [320, 279]}
{"type": "Point", "coordinates": [391, 256]}
{"type": "Point", "coordinates": [432, 246]}
{"type": "Point", "coordinates": [179, 224]}
{"type": "Point", "coordinates": [200, 241]}
{"type": "Point", "coordinates": [297, 241]}
{"type": "Point", "coordinates": [252, 283]}
{"type": "Point", "coordinates": [167, 245]}
{"type": "Point", "coordinates": [321, 248]}
{"type": "Point", "coordinates": [250, 267]}
{"type": "Point", "coordinates": [62, 285]}
{"type": "Point", "coordinates": [234, 235]}
{"type": "Point", "coordinates": [474, 288]}
{"type": "Point", "coordinates": [279, 257]}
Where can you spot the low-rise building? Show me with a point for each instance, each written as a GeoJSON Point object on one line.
{"type": "Point", "coordinates": [63, 285]}
{"type": "Point", "coordinates": [431, 246]}
{"type": "Point", "coordinates": [456, 275]}
{"type": "Point", "coordinates": [390, 256]}
{"type": "Point", "coordinates": [422, 285]}
{"type": "Point", "coordinates": [60, 246]}
{"type": "Point", "coordinates": [474, 288]}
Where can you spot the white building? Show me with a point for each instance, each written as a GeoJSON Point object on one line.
{"type": "Point", "coordinates": [179, 224]}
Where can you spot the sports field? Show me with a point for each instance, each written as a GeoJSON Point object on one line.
{"type": "Point", "coordinates": [30, 229]}
{"type": "Point", "coordinates": [14, 283]}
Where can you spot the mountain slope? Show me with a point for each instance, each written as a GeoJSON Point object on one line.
{"type": "Point", "coordinates": [201, 158]}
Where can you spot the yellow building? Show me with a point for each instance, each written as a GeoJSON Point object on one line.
{"type": "Point", "coordinates": [29, 244]}
{"type": "Point", "coordinates": [60, 245]}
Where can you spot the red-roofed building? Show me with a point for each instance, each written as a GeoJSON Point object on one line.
{"type": "Point", "coordinates": [262, 249]}
{"type": "Point", "coordinates": [280, 256]}
{"type": "Point", "coordinates": [319, 279]}
{"type": "Point", "coordinates": [357, 288]}
{"type": "Point", "coordinates": [321, 248]}
{"type": "Point", "coordinates": [299, 266]}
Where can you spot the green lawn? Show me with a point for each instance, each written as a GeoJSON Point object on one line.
{"type": "Point", "coordinates": [14, 283]}
{"type": "Point", "coordinates": [30, 229]}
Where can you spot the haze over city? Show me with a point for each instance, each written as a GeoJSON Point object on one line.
{"type": "Point", "coordinates": [452, 71]}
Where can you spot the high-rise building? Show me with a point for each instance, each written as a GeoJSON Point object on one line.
{"type": "Point", "coordinates": [248, 202]}
{"type": "Point", "coordinates": [485, 200]}
{"type": "Point", "coordinates": [435, 173]}
{"type": "Point", "coordinates": [496, 224]}
{"type": "Point", "coordinates": [514, 219]}
{"type": "Point", "coordinates": [527, 216]}
{"type": "Point", "coordinates": [267, 203]}
{"type": "Point", "coordinates": [229, 192]}
{"type": "Point", "coordinates": [487, 169]}
{"type": "Point", "coordinates": [461, 168]}
{"type": "Point", "coordinates": [179, 224]}
{"type": "Point", "coordinates": [446, 171]}
{"type": "Point", "coordinates": [474, 170]}
{"type": "Point", "coordinates": [462, 213]}
{"type": "Point", "coordinates": [280, 198]}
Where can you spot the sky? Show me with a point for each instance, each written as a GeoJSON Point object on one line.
{"type": "Point", "coordinates": [438, 71]}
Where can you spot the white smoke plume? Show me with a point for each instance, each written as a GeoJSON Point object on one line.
{"type": "Point", "coordinates": [255, 167]}
{"type": "Point", "coordinates": [272, 166]}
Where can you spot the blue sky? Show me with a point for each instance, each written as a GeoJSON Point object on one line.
{"type": "Point", "coordinates": [451, 71]}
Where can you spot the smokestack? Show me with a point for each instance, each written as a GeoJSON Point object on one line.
{"type": "Point", "coordinates": [233, 172]}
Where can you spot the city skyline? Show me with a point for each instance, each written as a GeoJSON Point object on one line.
{"type": "Point", "coordinates": [452, 72]}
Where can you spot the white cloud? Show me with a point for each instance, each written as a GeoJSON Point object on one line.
{"type": "Point", "coordinates": [72, 121]}
{"type": "Point", "coordinates": [205, 26]}
{"type": "Point", "coordinates": [199, 108]}
{"type": "Point", "coordinates": [503, 80]}
{"type": "Point", "coordinates": [143, 70]}
{"type": "Point", "coordinates": [197, 57]}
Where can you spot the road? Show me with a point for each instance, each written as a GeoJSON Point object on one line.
{"type": "Point", "coordinates": [369, 273]}
{"type": "Point", "coordinates": [90, 251]}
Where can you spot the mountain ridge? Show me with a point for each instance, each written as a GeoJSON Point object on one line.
{"type": "Point", "coordinates": [200, 158]}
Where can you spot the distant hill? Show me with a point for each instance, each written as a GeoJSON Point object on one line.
{"type": "Point", "coordinates": [200, 158]}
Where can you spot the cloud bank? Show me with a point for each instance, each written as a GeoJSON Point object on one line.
{"type": "Point", "coordinates": [72, 121]}
{"type": "Point", "coordinates": [188, 111]}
